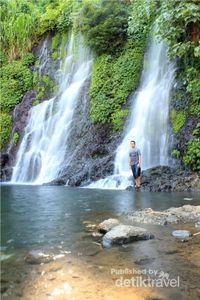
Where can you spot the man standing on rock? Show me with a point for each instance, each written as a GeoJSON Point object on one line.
{"type": "Point", "coordinates": [135, 163]}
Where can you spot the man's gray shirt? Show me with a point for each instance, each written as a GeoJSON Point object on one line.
{"type": "Point", "coordinates": [134, 156]}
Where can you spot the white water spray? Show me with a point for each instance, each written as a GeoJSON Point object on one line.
{"type": "Point", "coordinates": [43, 147]}
{"type": "Point", "coordinates": [148, 123]}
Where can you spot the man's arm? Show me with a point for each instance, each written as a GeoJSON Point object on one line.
{"type": "Point", "coordinates": [129, 160]}
{"type": "Point", "coordinates": [139, 160]}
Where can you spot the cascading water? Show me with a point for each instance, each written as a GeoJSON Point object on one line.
{"type": "Point", "coordinates": [43, 147]}
{"type": "Point", "coordinates": [148, 123]}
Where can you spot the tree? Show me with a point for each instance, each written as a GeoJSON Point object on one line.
{"type": "Point", "coordinates": [104, 24]}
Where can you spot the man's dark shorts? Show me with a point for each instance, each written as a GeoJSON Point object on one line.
{"type": "Point", "coordinates": [136, 171]}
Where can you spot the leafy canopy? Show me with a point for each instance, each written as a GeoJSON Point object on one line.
{"type": "Point", "coordinates": [104, 24]}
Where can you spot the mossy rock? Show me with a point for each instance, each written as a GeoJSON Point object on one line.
{"type": "Point", "coordinates": [178, 119]}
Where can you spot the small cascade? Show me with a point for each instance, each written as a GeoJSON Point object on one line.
{"type": "Point", "coordinates": [148, 123]}
{"type": "Point", "coordinates": [43, 147]}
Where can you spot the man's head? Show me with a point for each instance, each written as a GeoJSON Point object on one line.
{"type": "Point", "coordinates": [132, 144]}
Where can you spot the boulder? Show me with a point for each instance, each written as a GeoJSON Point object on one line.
{"type": "Point", "coordinates": [38, 256]}
{"type": "Point", "coordinates": [107, 225]}
{"type": "Point", "coordinates": [123, 234]}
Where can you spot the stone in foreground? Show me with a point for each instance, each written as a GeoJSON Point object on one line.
{"type": "Point", "coordinates": [107, 225]}
{"type": "Point", "coordinates": [38, 256]}
{"type": "Point", "coordinates": [123, 234]}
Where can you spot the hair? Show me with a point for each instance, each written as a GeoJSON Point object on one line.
{"type": "Point", "coordinates": [132, 142]}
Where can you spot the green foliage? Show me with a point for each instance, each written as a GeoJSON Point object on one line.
{"type": "Point", "coordinates": [192, 77]}
{"type": "Point", "coordinates": [5, 129]}
{"type": "Point", "coordinates": [183, 17]}
{"type": "Point", "coordinates": [113, 79]}
{"type": "Point", "coordinates": [178, 118]}
{"type": "Point", "coordinates": [182, 37]}
{"type": "Point", "coordinates": [36, 102]}
{"type": "Point", "coordinates": [56, 41]}
{"type": "Point", "coordinates": [176, 153]}
{"type": "Point", "coordinates": [55, 55]}
{"type": "Point", "coordinates": [15, 138]}
{"type": "Point", "coordinates": [104, 24]}
{"type": "Point", "coordinates": [196, 131]}
{"type": "Point", "coordinates": [118, 119]}
{"type": "Point", "coordinates": [44, 86]}
{"type": "Point", "coordinates": [23, 22]}
{"type": "Point", "coordinates": [17, 27]}
{"type": "Point", "coordinates": [142, 15]}
{"type": "Point", "coordinates": [3, 59]}
{"type": "Point", "coordinates": [28, 59]}
{"type": "Point", "coordinates": [56, 16]}
{"type": "Point", "coordinates": [58, 45]}
{"type": "Point", "coordinates": [16, 79]}
{"type": "Point", "coordinates": [192, 155]}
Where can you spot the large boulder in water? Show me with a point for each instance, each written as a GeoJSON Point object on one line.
{"type": "Point", "coordinates": [123, 234]}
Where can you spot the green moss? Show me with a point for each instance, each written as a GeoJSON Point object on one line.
{"type": "Point", "coordinates": [65, 37]}
{"type": "Point", "coordinates": [56, 88]}
{"type": "Point", "coordinates": [55, 55]}
{"type": "Point", "coordinates": [178, 118]}
{"type": "Point", "coordinates": [176, 153]}
{"type": "Point", "coordinates": [35, 79]}
{"type": "Point", "coordinates": [192, 155]}
{"type": "Point", "coordinates": [44, 86]}
{"type": "Point", "coordinates": [113, 79]}
{"type": "Point", "coordinates": [15, 138]}
{"type": "Point", "coordinates": [36, 102]}
{"type": "Point", "coordinates": [56, 40]}
{"type": "Point", "coordinates": [118, 119]}
{"type": "Point", "coordinates": [6, 127]}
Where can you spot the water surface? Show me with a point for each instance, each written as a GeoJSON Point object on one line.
{"type": "Point", "coordinates": [57, 218]}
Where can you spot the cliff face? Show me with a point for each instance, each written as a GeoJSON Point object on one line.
{"type": "Point", "coordinates": [91, 148]}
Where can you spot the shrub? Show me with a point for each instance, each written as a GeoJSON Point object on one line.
{"type": "Point", "coordinates": [118, 119]}
{"type": "Point", "coordinates": [6, 127]}
{"type": "Point", "coordinates": [178, 118]}
{"type": "Point", "coordinates": [192, 155]}
{"type": "Point", "coordinates": [16, 79]}
{"type": "Point", "coordinates": [176, 153]}
{"type": "Point", "coordinates": [15, 138]}
{"type": "Point", "coordinates": [104, 24]}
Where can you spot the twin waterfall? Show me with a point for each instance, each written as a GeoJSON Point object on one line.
{"type": "Point", "coordinates": [43, 147]}
{"type": "Point", "coordinates": [148, 122]}
{"type": "Point", "coordinates": [42, 150]}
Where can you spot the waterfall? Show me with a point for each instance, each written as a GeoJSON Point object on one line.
{"type": "Point", "coordinates": [148, 122]}
{"type": "Point", "coordinates": [43, 147]}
